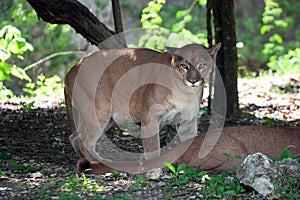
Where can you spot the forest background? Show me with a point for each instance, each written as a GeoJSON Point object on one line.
{"type": "Point", "coordinates": [35, 56]}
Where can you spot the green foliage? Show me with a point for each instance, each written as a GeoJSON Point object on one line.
{"type": "Point", "coordinates": [12, 46]}
{"type": "Point", "coordinates": [222, 185]}
{"type": "Point", "coordinates": [75, 184]}
{"type": "Point", "coordinates": [45, 87]}
{"type": "Point", "coordinates": [268, 37]}
{"type": "Point", "coordinates": [228, 155]}
{"type": "Point", "coordinates": [41, 35]}
{"type": "Point", "coordinates": [287, 63]}
{"type": "Point", "coordinates": [22, 167]}
{"type": "Point", "coordinates": [150, 15]}
{"type": "Point", "coordinates": [141, 182]}
{"type": "Point", "coordinates": [282, 58]}
{"type": "Point", "coordinates": [2, 173]}
{"type": "Point", "coordinates": [183, 175]}
{"type": "Point", "coordinates": [290, 190]}
{"type": "Point", "coordinates": [4, 155]}
{"type": "Point", "coordinates": [27, 107]}
{"type": "Point", "coordinates": [218, 185]}
{"type": "Point", "coordinates": [159, 32]}
{"type": "Point", "coordinates": [285, 154]}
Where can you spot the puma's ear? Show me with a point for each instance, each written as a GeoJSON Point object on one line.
{"type": "Point", "coordinates": [214, 49]}
{"type": "Point", "coordinates": [176, 58]}
{"type": "Point", "coordinates": [171, 49]}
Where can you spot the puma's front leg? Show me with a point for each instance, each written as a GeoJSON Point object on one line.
{"type": "Point", "coordinates": [187, 129]}
{"type": "Point", "coordinates": [150, 125]}
{"type": "Point", "coordinates": [150, 138]}
{"type": "Point", "coordinates": [151, 144]}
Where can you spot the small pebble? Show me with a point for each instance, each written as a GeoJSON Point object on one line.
{"type": "Point", "coordinates": [37, 175]}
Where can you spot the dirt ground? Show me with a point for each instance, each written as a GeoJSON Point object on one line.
{"type": "Point", "coordinates": [36, 156]}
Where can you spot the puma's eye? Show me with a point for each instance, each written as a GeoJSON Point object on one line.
{"type": "Point", "coordinates": [184, 66]}
{"type": "Point", "coordinates": [202, 66]}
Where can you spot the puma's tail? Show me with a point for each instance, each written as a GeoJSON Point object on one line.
{"type": "Point", "coordinates": [91, 167]}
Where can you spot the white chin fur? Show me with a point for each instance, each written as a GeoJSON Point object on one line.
{"type": "Point", "coordinates": [189, 84]}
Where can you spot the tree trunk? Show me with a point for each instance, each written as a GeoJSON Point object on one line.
{"type": "Point", "coordinates": [77, 16]}
{"type": "Point", "coordinates": [210, 43]}
{"type": "Point", "coordinates": [223, 11]}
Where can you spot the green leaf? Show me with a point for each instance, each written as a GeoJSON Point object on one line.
{"type": "Point", "coordinates": [188, 18]}
{"type": "Point", "coordinates": [237, 157]}
{"type": "Point", "coordinates": [268, 19]}
{"type": "Point", "coordinates": [20, 73]}
{"type": "Point", "coordinates": [178, 26]}
{"type": "Point", "coordinates": [181, 13]}
{"type": "Point", "coordinates": [281, 23]}
{"type": "Point", "coordinates": [170, 167]}
{"type": "Point", "coordinates": [266, 28]}
{"type": "Point", "coordinates": [276, 38]}
{"type": "Point", "coordinates": [181, 167]}
{"type": "Point", "coordinates": [228, 155]}
{"type": "Point", "coordinates": [5, 70]}
{"type": "Point", "coordinates": [202, 2]}
{"type": "Point", "coordinates": [2, 173]}
{"type": "Point", "coordinates": [286, 154]}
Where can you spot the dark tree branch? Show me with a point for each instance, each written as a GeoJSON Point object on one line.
{"type": "Point", "coordinates": [77, 16]}
{"type": "Point", "coordinates": [208, 22]}
{"type": "Point", "coordinates": [209, 40]}
{"type": "Point", "coordinates": [118, 20]}
{"type": "Point", "coordinates": [117, 16]}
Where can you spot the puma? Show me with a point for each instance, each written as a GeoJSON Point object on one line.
{"type": "Point", "coordinates": [237, 141]}
{"type": "Point", "coordinates": [136, 86]}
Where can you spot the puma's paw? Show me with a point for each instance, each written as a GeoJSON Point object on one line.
{"type": "Point", "coordinates": [154, 173]}
{"type": "Point", "coordinates": [83, 164]}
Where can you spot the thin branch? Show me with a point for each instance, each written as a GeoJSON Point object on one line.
{"type": "Point", "coordinates": [209, 40]}
{"type": "Point", "coordinates": [117, 16]}
{"type": "Point", "coordinates": [77, 16]}
{"type": "Point", "coordinates": [52, 56]}
{"type": "Point", "coordinates": [118, 21]}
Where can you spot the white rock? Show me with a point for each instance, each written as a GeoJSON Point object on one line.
{"type": "Point", "coordinates": [37, 175]}
{"type": "Point", "coordinates": [154, 174]}
{"type": "Point", "coordinates": [263, 185]}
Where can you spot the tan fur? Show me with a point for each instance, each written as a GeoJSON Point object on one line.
{"type": "Point", "coordinates": [238, 141]}
{"type": "Point", "coordinates": [136, 85]}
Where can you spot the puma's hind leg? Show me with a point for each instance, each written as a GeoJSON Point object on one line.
{"type": "Point", "coordinates": [74, 140]}
{"type": "Point", "coordinates": [94, 125]}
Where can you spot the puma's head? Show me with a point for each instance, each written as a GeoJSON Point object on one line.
{"type": "Point", "coordinates": [193, 62]}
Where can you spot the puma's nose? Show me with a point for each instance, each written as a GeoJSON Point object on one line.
{"type": "Point", "coordinates": [193, 81]}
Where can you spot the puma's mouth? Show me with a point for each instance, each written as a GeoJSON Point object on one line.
{"type": "Point", "coordinates": [194, 82]}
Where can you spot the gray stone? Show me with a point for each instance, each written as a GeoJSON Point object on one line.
{"type": "Point", "coordinates": [258, 172]}
{"type": "Point", "coordinates": [289, 167]}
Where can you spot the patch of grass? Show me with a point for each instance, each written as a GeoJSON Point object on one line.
{"type": "Point", "coordinates": [22, 167]}
{"type": "Point", "coordinates": [182, 175]}
{"type": "Point", "coordinates": [222, 185]}
{"type": "Point", "coordinates": [285, 154]}
{"type": "Point", "coordinates": [141, 182]}
{"type": "Point", "coordinates": [4, 155]}
{"type": "Point", "coordinates": [27, 107]}
{"type": "Point", "coordinates": [216, 186]}
{"type": "Point", "coordinates": [290, 190]}
{"type": "Point", "coordinates": [83, 184]}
